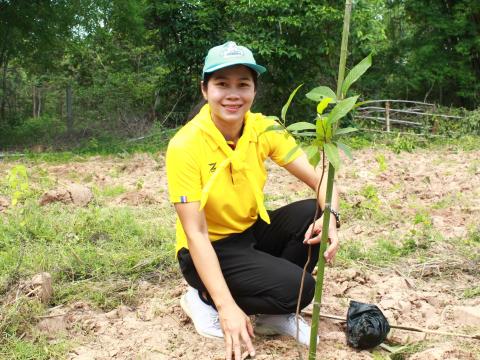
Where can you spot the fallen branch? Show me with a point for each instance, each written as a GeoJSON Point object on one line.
{"type": "Point", "coordinates": [401, 327]}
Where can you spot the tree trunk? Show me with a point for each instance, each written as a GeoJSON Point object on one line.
{"type": "Point", "coordinates": [39, 101]}
{"type": "Point", "coordinates": [4, 87]}
{"type": "Point", "coordinates": [69, 109]}
{"type": "Point", "coordinates": [34, 101]}
{"type": "Point", "coordinates": [4, 59]}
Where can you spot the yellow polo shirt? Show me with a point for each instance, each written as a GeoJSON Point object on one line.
{"type": "Point", "coordinates": [228, 183]}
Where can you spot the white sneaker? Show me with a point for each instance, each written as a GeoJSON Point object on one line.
{"type": "Point", "coordinates": [204, 317]}
{"type": "Point", "coordinates": [283, 325]}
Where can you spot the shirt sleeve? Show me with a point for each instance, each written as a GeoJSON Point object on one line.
{"type": "Point", "coordinates": [183, 174]}
{"type": "Point", "coordinates": [283, 147]}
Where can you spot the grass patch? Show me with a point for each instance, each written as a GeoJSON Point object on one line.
{"type": "Point", "coordinates": [103, 145]}
{"type": "Point", "coordinates": [94, 254]}
{"type": "Point", "coordinates": [472, 292]}
{"type": "Point", "coordinates": [87, 243]}
{"type": "Point", "coordinates": [14, 348]}
{"type": "Point", "coordinates": [387, 250]}
{"type": "Point", "coordinates": [408, 143]}
{"type": "Point", "coordinates": [112, 191]}
{"type": "Point", "coordinates": [367, 206]}
{"type": "Point", "coordinates": [403, 352]}
{"type": "Point", "coordinates": [19, 338]}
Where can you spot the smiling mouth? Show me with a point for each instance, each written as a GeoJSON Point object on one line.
{"type": "Point", "coordinates": [232, 107]}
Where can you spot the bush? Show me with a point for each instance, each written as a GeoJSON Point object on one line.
{"type": "Point", "coordinates": [41, 130]}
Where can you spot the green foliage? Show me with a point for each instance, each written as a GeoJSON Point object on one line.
{"type": "Point", "coordinates": [432, 52]}
{"type": "Point", "coordinates": [382, 163]}
{"type": "Point", "coordinates": [17, 180]}
{"type": "Point", "coordinates": [320, 92]}
{"type": "Point", "coordinates": [287, 104]}
{"type": "Point", "coordinates": [132, 63]}
{"type": "Point", "coordinates": [356, 73]}
{"type": "Point", "coordinates": [40, 130]}
{"type": "Point", "coordinates": [403, 143]}
{"type": "Point", "coordinates": [326, 135]}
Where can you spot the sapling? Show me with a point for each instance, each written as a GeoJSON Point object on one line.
{"type": "Point", "coordinates": [325, 145]}
{"type": "Point", "coordinates": [17, 180]}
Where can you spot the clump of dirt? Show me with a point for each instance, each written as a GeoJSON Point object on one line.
{"type": "Point", "coordinates": [138, 198]}
{"type": "Point", "coordinates": [39, 286]}
{"type": "Point", "coordinates": [4, 203]}
{"type": "Point", "coordinates": [75, 194]}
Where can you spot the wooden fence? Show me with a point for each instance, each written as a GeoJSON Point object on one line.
{"type": "Point", "coordinates": [404, 113]}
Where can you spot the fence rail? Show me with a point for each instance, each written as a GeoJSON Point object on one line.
{"type": "Point", "coordinates": [425, 112]}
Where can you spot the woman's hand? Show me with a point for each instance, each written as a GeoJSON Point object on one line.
{"type": "Point", "coordinates": [237, 329]}
{"type": "Point", "coordinates": [315, 237]}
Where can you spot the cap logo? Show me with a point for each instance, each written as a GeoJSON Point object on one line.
{"type": "Point", "coordinates": [232, 50]}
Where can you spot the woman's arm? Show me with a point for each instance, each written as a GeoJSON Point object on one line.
{"type": "Point", "coordinates": [304, 171]}
{"type": "Point", "coordinates": [235, 323]}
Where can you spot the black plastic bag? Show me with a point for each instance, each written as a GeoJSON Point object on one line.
{"type": "Point", "coordinates": [367, 327]}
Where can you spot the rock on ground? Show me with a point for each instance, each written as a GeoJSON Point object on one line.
{"type": "Point", "coordinates": [72, 194]}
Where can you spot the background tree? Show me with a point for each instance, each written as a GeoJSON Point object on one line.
{"type": "Point", "coordinates": [134, 64]}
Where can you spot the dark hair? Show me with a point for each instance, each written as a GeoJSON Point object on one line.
{"type": "Point", "coordinates": [196, 109]}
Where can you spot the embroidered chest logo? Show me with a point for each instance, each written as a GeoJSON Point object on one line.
{"type": "Point", "coordinates": [213, 167]}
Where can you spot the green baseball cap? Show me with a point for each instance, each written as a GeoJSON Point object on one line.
{"type": "Point", "coordinates": [230, 54]}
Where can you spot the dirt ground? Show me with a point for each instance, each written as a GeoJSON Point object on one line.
{"type": "Point", "coordinates": [426, 292]}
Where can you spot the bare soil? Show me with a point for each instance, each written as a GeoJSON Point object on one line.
{"type": "Point", "coordinates": [427, 292]}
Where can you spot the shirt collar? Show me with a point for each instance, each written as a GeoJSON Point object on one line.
{"type": "Point", "coordinates": [204, 121]}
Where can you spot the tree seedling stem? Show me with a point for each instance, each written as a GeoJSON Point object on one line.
{"type": "Point", "coordinates": [328, 198]}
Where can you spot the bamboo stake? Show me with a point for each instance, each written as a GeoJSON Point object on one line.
{"type": "Point", "coordinates": [312, 354]}
{"type": "Point", "coordinates": [381, 119]}
{"type": "Point", "coordinates": [407, 328]}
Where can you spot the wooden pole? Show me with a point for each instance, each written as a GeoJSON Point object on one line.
{"type": "Point", "coordinates": [387, 115]}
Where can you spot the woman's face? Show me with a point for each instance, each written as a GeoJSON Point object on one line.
{"type": "Point", "coordinates": [230, 92]}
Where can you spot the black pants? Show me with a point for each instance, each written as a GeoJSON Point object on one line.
{"type": "Point", "coordinates": [263, 265]}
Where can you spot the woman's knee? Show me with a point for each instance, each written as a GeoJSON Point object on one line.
{"type": "Point", "coordinates": [308, 290]}
{"type": "Point", "coordinates": [289, 300]}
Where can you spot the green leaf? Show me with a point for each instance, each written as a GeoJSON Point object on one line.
{"type": "Point", "coordinates": [287, 105]}
{"type": "Point", "coordinates": [341, 109]}
{"type": "Point", "coordinates": [354, 74]}
{"type": "Point", "coordinates": [321, 92]}
{"type": "Point", "coordinates": [332, 155]}
{"type": "Point", "coordinates": [324, 131]}
{"type": "Point", "coordinates": [313, 154]}
{"type": "Point", "coordinates": [310, 150]}
{"type": "Point", "coordinates": [346, 149]}
{"type": "Point", "coordinates": [272, 117]}
{"type": "Point", "coordinates": [345, 131]}
{"type": "Point", "coordinates": [360, 103]}
{"type": "Point", "coordinates": [322, 105]}
{"type": "Point", "coordinates": [290, 153]}
{"type": "Point", "coordinates": [315, 159]}
{"type": "Point", "coordinates": [302, 125]}
{"type": "Point", "coordinates": [274, 127]}
{"type": "Point", "coordinates": [393, 349]}
{"type": "Point", "coordinates": [305, 133]}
